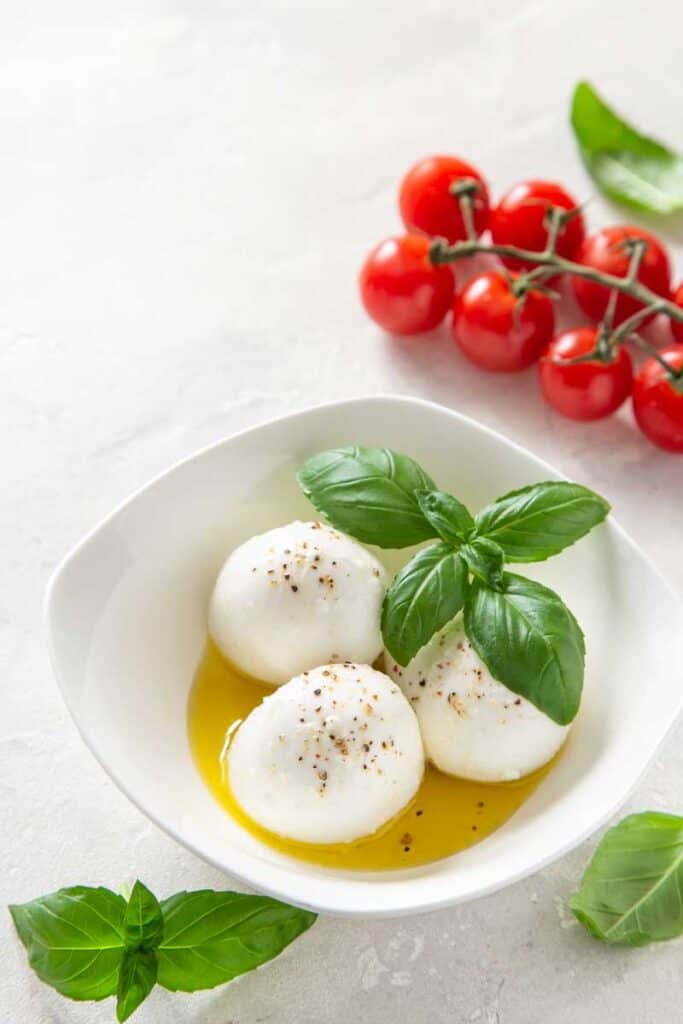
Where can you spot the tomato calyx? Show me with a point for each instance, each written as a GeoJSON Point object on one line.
{"type": "Point", "coordinates": [464, 187]}
{"type": "Point", "coordinates": [634, 247]}
{"type": "Point", "coordinates": [563, 216]}
{"type": "Point", "coordinates": [521, 285]}
{"type": "Point", "coordinates": [465, 191]}
{"type": "Point", "coordinates": [605, 350]}
{"type": "Point", "coordinates": [531, 281]}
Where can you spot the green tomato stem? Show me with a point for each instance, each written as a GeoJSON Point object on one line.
{"type": "Point", "coordinates": [464, 191]}
{"type": "Point", "coordinates": [440, 253]}
{"type": "Point", "coordinates": [676, 375]}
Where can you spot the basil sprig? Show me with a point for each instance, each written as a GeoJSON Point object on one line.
{"type": "Point", "coordinates": [626, 165]}
{"type": "Point", "coordinates": [91, 943]}
{"type": "Point", "coordinates": [632, 891]}
{"type": "Point", "coordinates": [522, 631]}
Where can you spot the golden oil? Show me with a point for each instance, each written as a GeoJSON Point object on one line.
{"type": "Point", "coordinates": [446, 815]}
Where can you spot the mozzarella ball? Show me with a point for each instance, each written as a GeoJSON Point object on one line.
{"type": "Point", "coordinates": [329, 757]}
{"type": "Point", "coordinates": [298, 596]}
{"type": "Point", "coordinates": [472, 726]}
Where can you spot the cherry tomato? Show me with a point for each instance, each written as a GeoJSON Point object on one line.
{"type": "Point", "coordinates": [427, 204]}
{"type": "Point", "coordinates": [498, 331]}
{"type": "Point", "coordinates": [401, 290]}
{"type": "Point", "coordinates": [606, 251]}
{"type": "Point", "coordinates": [677, 328]}
{"type": "Point", "coordinates": [658, 401]}
{"type": "Point", "coordinates": [587, 390]}
{"type": "Point", "coordinates": [519, 219]}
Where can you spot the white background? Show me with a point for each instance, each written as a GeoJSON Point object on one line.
{"type": "Point", "coordinates": [187, 188]}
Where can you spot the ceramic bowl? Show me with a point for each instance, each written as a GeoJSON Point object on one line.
{"type": "Point", "coordinates": [126, 616]}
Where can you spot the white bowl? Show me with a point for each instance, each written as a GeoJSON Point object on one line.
{"type": "Point", "coordinates": [126, 614]}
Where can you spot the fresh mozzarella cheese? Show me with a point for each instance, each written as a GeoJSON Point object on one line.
{"type": "Point", "coordinates": [329, 757]}
{"type": "Point", "coordinates": [298, 596]}
{"type": "Point", "coordinates": [473, 726]}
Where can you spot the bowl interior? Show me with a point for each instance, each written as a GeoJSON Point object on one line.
{"type": "Point", "coordinates": [127, 623]}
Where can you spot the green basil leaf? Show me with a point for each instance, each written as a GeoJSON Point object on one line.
{"type": "Point", "coordinates": [485, 559]}
{"type": "Point", "coordinates": [144, 924]}
{"type": "Point", "coordinates": [137, 978]}
{"type": "Point", "coordinates": [449, 517]}
{"type": "Point", "coordinates": [369, 493]}
{"type": "Point", "coordinates": [540, 520]}
{"type": "Point", "coordinates": [211, 937]}
{"type": "Point", "coordinates": [626, 165]}
{"type": "Point", "coordinates": [632, 891]}
{"type": "Point", "coordinates": [530, 642]}
{"type": "Point", "coordinates": [426, 594]}
{"type": "Point", "coordinates": [74, 939]}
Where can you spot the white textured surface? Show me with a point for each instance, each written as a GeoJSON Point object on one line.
{"type": "Point", "coordinates": [187, 189]}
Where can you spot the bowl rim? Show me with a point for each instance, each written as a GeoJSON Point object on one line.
{"type": "Point", "coordinates": [258, 878]}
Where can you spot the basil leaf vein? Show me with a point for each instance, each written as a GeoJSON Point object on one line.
{"type": "Point", "coordinates": [212, 937]}
{"type": "Point", "coordinates": [540, 520]}
{"type": "Point", "coordinates": [369, 493]}
{"type": "Point", "coordinates": [626, 165]}
{"type": "Point", "coordinates": [530, 642]}
{"type": "Point", "coordinates": [74, 939]}
{"type": "Point", "coordinates": [426, 594]}
{"type": "Point", "coordinates": [632, 890]}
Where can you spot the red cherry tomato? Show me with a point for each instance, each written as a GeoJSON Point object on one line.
{"type": "Point", "coordinates": [427, 204]}
{"type": "Point", "coordinates": [519, 219]}
{"type": "Point", "coordinates": [658, 401]}
{"type": "Point", "coordinates": [401, 290]}
{"type": "Point", "coordinates": [605, 250]}
{"type": "Point", "coordinates": [677, 328]}
{"type": "Point", "coordinates": [498, 331]}
{"type": "Point", "coordinates": [587, 390]}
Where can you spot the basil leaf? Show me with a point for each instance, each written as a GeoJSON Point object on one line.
{"type": "Point", "coordinates": [137, 978]}
{"type": "Point", "coordinates": [144, 924]}
{"type": "Point", "coordinates": [485, 559]}
{"type": "Point", "coordinates": [211, 937]}
{"type": "Point", "coordinates": [370, 494]}
{"type": "Point", "coordinates": [530, 642]}
{"type": "Point", "coordinates": [74, 939]}
{"type": "Point", "coordinates": [632, 891]}
{"type": "Point", "coordinates": [626, 165]}
{"type": "Point", "coordinates": [426, 594]}
{"type": "Point", "coordinates": [448, 516]}
{"type": "Point", "coordinates": [540, 520]}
